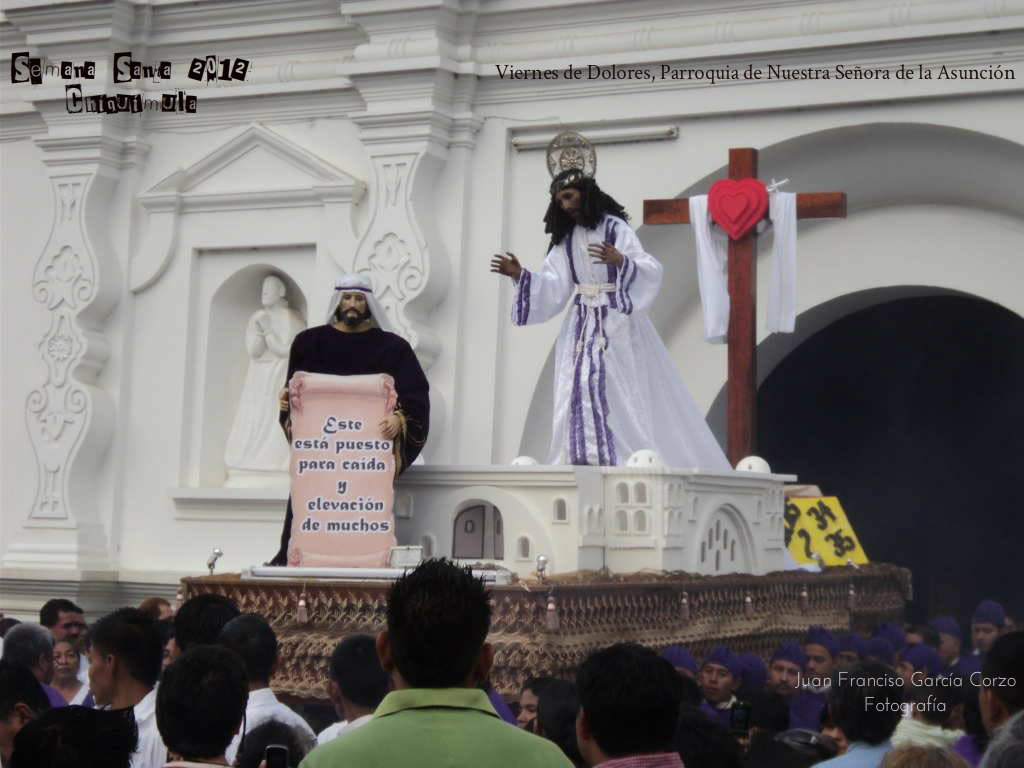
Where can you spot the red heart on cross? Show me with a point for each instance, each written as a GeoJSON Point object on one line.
{"type": "Point", "coordinates": [736, 206]}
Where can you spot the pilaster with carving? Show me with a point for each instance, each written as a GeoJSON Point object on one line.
{"type": "Point", "coordinates": [418, 105]}
{"type": "Point", "coordinates": [77, 280]}
{"type": "Point", "coordinates": [409, 269]}
{"type": "Point", "coordinates": [69, 419]}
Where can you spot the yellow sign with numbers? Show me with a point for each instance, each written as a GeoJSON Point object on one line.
{"type": "Point", "coordinates": [819, 526]}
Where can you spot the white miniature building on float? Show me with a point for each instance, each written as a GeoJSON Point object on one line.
{"type": "Point", "coordinates": [624, 518]}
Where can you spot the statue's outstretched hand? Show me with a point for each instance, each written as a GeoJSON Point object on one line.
{"type": "Point", "coordinates": [506, 265]}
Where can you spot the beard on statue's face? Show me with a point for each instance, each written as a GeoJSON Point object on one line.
{"type": "Point", "coordinates": [353, 317]}
{"type": "Point", "coordinates": [353, 309]}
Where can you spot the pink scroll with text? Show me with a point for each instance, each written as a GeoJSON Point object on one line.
{"type": "Point", "coordinates": [342, 470]}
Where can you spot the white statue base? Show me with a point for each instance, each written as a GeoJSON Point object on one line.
{"type": "Point", "coordinates": [624, 519]}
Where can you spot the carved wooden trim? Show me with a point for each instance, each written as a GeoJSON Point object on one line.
{"type": "Point", "coordinates": [594, 610]}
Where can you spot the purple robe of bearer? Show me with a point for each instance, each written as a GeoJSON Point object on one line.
{"type": "Point", "coordinates": [896, 637]}
{"type": "Point", "coordinates": [880, 649]}
{"type": "Point", "coordinates": [754, 673]}
{"type": "Point", "coordinates": [947, 625]}
{"type": "Point", "coordinates": [851, 643]}
{"type": "Point", "coordinates": [987, 612]}
{"type": "Point", "coordinates": [681, 659]}
{"type": "Point", "coordinates": [923, 659]}
{"type": "Point", "coordinates": [805, 708]}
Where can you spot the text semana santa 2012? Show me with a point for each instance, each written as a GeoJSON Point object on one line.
{"type": "Point", "coordinates": [712, 75]}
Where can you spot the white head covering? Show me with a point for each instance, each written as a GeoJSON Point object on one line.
{"type": "Point", "coordinates": [356, 283]}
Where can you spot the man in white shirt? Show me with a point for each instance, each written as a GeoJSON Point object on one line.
{"type": "Point", "coordinates": [357, 685]}
{"type": "Point", "coordinates": [251, 637]}
{"type": "Point", "coordinates": [125, 658]}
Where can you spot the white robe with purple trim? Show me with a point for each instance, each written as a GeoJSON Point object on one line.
{"type": "Point", "coordinates": [616, 389]}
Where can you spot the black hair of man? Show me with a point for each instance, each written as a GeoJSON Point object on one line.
{"type": "Point", "coordinates": [133, 637]}
{"type": "Point", "coordinates": [438, 617]}
{"type": "Point", "coordinates": [201, 618]}
{"type": "Point", "coordinates": [273, 732]}
{"type": "Point", "coordinates": [557, 707]}
{"type": "Point", "coordinates": [49, 614]}
{"type": "Point", "coordinates": [536, 685]}
{"type": "Point", "coordinates": [6, 623]}
{"type": "Point", "coordinates": [78, 736]}
{"type": "Point", "coordinates": [866, 702]}
{"type": "Point", "coordinates": [19, 686]}
{"type": "Point", "coordinates": [594, 203]}
{"type": "Point", "coordinates": [252, 638]}
{"type": "Point", "coordinates": [201, 701]}
{"type": "Point", "coordinates": [165, 628]}
{"type": "Point", "coordinates": [700, 741]}
{"type": "Point", "coordinates": [26, 643]}
{"type": "Point", "coordinates": [691, 691]}
{"type": "Point", "coordinates": [630, 697]}
{"type": "Point", "coordinates": [355, 667]}
{"type": "Point", "coordinates": [1004, 669]}
{"type": "Point", "coordinates": [769, 711]}
{"type": "Point", "coordinates": [974, 725]}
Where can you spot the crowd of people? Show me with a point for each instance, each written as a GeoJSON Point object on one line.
{"type": "Point", "coordinates": [147, 689]}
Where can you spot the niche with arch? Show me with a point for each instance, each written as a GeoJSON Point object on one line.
{"type": "Point", "coordinates": [478, 533]}
{"type": "Point", "coordinates": [640, 493]}
{"type": "Point", "coordinates": [523, 548]}
{"type": "Point", "coordinates": [622, 493]}
{"type": "Point", "coordinates": [722, 548]}
{"type": "Point", "coordinates": [639, 521]}
{"type": "Point", "coordinates": [621, 521]}
{"type": "Point", "coordinates": [225, 360]}
{"type": "Point", "coordinates": [560, 513]}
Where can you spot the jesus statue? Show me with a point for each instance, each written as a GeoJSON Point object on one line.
{"type": "Point", "coordinates": [616, 391]}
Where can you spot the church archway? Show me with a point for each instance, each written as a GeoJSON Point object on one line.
{"type": "Point", "coordinates": [909, 411]}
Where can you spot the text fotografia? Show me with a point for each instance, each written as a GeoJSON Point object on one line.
{"type": "Point", "coordinates": [712, 75]}
{"type": "Point", "coordinates": [905, 708]}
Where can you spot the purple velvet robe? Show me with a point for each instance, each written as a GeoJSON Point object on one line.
{"type": "Point", "coordinates": [805, 710]}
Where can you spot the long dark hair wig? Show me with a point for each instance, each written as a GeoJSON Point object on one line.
{"type": "Point", "coordinates": [594, 204]}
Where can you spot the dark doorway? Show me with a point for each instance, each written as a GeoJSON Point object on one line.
{"type": "Point", "coordinates": [912, 413]}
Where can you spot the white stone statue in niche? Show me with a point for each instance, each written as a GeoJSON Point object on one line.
{"type": "Point", "coordinates": [257, 451]}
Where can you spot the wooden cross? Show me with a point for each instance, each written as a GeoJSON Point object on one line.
{"type": "Point", "coordinates": [741, 389]}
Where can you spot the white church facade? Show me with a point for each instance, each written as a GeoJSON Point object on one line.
{"type": "Point", "coordinates": [405, 139]}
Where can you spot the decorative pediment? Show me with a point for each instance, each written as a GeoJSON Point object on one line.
{"type": "Point", "coordinates": [257, 159]}
{"type": "Point", "coordinates": [257, 169]}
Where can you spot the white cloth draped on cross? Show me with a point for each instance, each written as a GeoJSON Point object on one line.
{"type": "Point", "coordinates": [712, 268]}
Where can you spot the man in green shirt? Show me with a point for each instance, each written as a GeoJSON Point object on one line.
{"type": "Point", "coordinates": [435, 650]}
